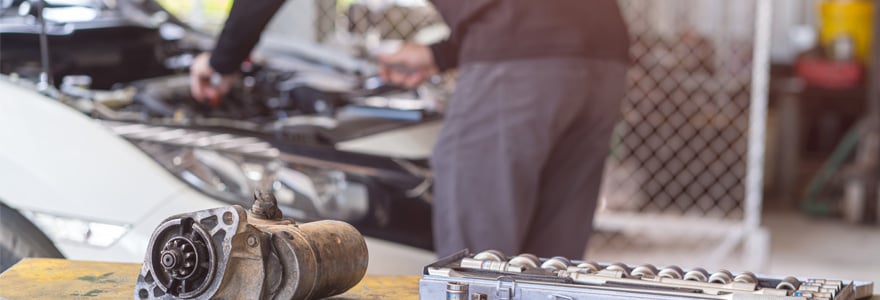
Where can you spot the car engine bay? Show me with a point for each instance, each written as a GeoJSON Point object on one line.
{"type": "Point", "coordinates": [277, 129]}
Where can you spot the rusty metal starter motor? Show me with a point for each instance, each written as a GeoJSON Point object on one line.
{"type": "Point", "coordinates": [233, 253]}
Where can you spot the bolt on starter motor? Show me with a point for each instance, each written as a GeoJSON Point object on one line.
{"type": "Point", "coordinates": [233, 253]}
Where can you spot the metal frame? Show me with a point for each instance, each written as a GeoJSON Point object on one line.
{"type": "Point", "coordinates": [757, 244]}
{"type": "Point", "coordinates": [730, 232]}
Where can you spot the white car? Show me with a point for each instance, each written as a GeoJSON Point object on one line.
{"type": "Point", "coordinates": [88, 170]}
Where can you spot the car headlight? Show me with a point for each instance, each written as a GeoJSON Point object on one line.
{"type": "Point", "coordinates": [230, 168]}
{"type": "Point", "coordinates": [77, 230]}
{"type": "Point", "coordinates": [327, 192]}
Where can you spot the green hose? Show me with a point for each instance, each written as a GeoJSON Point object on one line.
{"type": "Point", "coordinates": [842, 152]}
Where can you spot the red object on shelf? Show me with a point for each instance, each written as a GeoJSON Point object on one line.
{"type": "Point", "coordinates": [829, 74]}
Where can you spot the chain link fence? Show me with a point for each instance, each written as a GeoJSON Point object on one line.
{"type": "Point", "coordinates": [680, 153]}
{"type": "Point", "coordinates": [676, 178]}
{"type": "Point", "coordinates": [394, 22]}
{"type": "Point", "coordinates": [682, 142]}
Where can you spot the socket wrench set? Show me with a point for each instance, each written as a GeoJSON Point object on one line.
{"type": "Point", "coordinates": [492, 275]}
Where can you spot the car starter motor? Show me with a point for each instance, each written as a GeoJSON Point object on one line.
{"type": "Point", "coordinates": [233, 253]}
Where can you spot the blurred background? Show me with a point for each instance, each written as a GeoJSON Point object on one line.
{"type": "Point", "coordinates": [676, 189]}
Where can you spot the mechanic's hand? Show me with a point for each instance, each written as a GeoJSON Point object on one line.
{"type": "Point", "coordinates": [409, 66]}
{"type": "Point", "coordinates": [202, 87]}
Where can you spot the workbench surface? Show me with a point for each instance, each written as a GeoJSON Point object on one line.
{"type": "Point", "coordinates": [67, 279]}
{"type": "Point", "coordinates": [40, 278]}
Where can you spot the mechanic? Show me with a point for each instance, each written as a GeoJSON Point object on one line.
{"type": "Point", "coordinates": [519, 161]}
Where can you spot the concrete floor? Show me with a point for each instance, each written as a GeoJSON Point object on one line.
{"type": "Point", "coordinates": [799, 245]}
{"type": "Point", "coordinates": [823, 247]}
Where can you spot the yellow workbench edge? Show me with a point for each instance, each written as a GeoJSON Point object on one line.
{"type": "Point", "coordinates": [41, 278]}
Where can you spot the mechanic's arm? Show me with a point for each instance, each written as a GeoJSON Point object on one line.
{"type": "Point", "coordinates": [413, 63]}
{"type": "Point", "coordinates": [458, 14]}
{"type": "Point", "coordinates": [445, 53]}
{"type": "Point", "coordinates": [240, 35]}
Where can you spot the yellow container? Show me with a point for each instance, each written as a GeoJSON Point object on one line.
{"type": "Point", "coordinates": [851, 18]}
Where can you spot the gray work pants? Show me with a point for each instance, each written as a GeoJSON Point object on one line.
{"type": "Point", "coordinates": [519, 160]}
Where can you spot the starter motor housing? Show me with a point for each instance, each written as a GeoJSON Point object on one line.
{"type": "Point", "coordinates": [233, 253]}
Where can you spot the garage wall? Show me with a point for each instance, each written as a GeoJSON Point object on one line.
{"type": "Point", "coordinates": [787, 16]}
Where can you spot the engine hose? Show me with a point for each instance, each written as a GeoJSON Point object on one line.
{"type": "Point", "coordinates": [152, 93]}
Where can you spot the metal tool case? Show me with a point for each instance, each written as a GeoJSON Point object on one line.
{"type": "Point", "coordinates": [491, 275]}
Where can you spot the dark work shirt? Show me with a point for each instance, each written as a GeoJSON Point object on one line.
{"type": "Point", "coordinates": [485, 30]}
{"type": "Point", "coordinates": [482, 30]}
{"type": "Point", "coordinates": [240, 34]}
